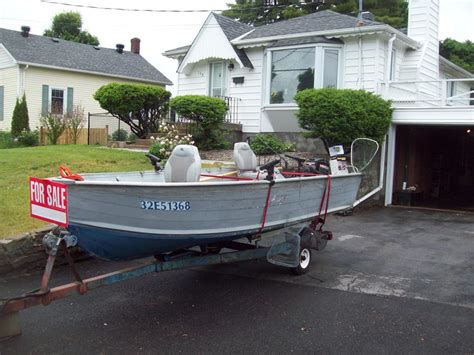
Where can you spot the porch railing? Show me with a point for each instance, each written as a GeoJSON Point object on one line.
{"type": "Point", "coordinates": [443, 92]}
{"type": "Point", "coordinates": [232, 115]}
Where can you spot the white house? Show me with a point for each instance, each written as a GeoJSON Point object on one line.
{"type": "Point", "coordinates": [56, 74]}
{"type": "Point", "coordinates": [262, 68]}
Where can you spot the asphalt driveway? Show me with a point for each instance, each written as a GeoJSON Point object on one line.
{"type": "Point", "coordinates": [391, 281]}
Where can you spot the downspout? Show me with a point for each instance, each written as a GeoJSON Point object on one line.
{"type": "Point", "coordinates": [389, 63]}
{"type": "Point", "coordinates": [382, 176]}
{"type": "Point", "coordinates": [361, 79]}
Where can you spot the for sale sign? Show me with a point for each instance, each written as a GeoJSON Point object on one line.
{"type": "Point", "coordinates": [48, 201]}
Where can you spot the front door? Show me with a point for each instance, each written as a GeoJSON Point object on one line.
{"type": "Point", "coordinates": [218, 80]}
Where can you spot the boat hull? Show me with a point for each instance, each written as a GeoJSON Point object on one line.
{"type": "Point", "coordinates": [125, 220]}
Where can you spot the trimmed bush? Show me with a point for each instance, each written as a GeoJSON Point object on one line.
{"type": "Point", "coordinates": [340, 116]}
{"type": "Point", "coordinates": [263, 144]}
{"type": "Point", "coordinates": [141, 107]}
{"type": "Point", "coordinates": [208, 113]}
{"type": "Point", "coordinates": [20, 119]}
{"type": "Point", "coordinates": [120, 135]}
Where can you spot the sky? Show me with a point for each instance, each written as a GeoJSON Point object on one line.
{"type": "Point", "coordinates": [162, 31]}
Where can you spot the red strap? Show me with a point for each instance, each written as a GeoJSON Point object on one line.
{"type": "Point", "coordinates": [267, 204]}
{"type": "Point", "coordinates": [227, 177]}
{"type": "Point", "coordinates": [66, 174]}
{"type": "Point", "coordinates": [318, 221]}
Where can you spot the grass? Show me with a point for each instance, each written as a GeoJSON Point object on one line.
{"type": "Point", "coordinates": [18, 164]}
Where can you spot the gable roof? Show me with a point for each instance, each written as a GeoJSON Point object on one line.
{"type": "Point", "coordinates": [317, 21]}
{"type": "Point", "coordinates": [67, 55]}
{"type": "Point", "coordinates": [232, 28]}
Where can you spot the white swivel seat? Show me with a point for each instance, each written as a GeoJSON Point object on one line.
{"type": "Point", "coordinates": [183, 165]}
{"type": "Point", "coordinates": [245, 160]}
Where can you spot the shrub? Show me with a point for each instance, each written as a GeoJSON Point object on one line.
{"type": "Point", "coordinates": [54, 125]}
{"type": "Point", "coordinates": [6, 140]}
{"type": "Point", "coordinates": [269, 144]}
{"type": "Point", "coordinates": [340, 116]}
{"type": "Point", "coordinates": [208, 113]}
{"type": "Point", "coordinates": [75, 122]}
{"type": "Point", "coordinates": [119, 135]}
{"type": "Point", "coordinates": [28, 138]}
{"type": "Point", "coordinates": [20, 119]}
{"type": "Point", "coordinates": [168, 139]}
{"type": "Point", "coordinates": [141, 107]}
{"type": "Point", "coordinates": [132, 137]}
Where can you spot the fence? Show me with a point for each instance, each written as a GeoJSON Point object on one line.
{"type": "Point", "coordinates": [92, 135]}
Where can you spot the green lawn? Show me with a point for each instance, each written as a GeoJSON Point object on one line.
{"type": "Point", "coordinates": [17, 164]}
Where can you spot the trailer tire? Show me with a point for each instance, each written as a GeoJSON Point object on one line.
{"type": "Point", "coordinates": [305, 262]}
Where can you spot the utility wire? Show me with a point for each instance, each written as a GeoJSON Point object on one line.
{"type": "Point", "coordinates": [158, 10]}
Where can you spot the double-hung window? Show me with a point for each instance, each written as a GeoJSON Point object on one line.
{"type": "Point", "coordinates": [296, 69]}
{"type": "Point", "coordinates": [57, 101]}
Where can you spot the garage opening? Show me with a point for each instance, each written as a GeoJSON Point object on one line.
{"type": "Point", "coordinates": [434, 167]}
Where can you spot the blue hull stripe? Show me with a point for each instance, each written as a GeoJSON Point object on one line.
{"type": "Point", "coordinates": [112, 244]}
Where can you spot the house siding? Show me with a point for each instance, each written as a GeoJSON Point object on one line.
{"type": "Point", "coordinates": [84, 85]}
{"type": "Point", "coordinates": [250, 92]}
{"type": "Point", "coordinates": [366, 74]}
{"type": "Point", "coordinates": [9, 81]}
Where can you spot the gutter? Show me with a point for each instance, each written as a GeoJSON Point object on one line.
{"type": "Point", "coordinates": [332, 33]}
{"type": "Point", "coordinates": [95, 73]}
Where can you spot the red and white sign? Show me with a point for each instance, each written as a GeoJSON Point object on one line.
{"type": "Point", "coordinates": [48, 201]}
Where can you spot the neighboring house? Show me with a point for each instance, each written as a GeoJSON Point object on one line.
{"type": "Point", "coordinates": [262, 68]}
{"type": "Point", "coordinates": [56, 74]}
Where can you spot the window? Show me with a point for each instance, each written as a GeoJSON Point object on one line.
{"type": "Point", "coordinates": [331, 66]}
{"type": "Point", "coordinates": [218, 79]}
{"type": "Point", "coordinates": [292, 71]}
{"type": "Point", "coordinates": [392, 65]}
{"type": "Point", "coordinates": [297, 69]}
{"type": "Point", "coordinates": [57, 101]}
{"type": "Point", "coordinates": [450, 89]}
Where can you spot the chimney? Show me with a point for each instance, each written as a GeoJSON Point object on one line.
{"type": "Point", "coordinates": [423, 25]}
{"type": "Point", "coordinates": [25, 31]}
{"type": "Point", "coordinates": [367, 15]}
{"type": "Point", "coordinates": [135, 45]}
{"type": "Point", "coordinates": [119, 47]}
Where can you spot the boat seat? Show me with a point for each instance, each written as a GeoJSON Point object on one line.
{"type": "Point", "coordinates": [246, 161]}
{"type": "Point", "coordinates": [183, 165]}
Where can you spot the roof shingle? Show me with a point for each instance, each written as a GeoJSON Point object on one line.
{"type": "Point", "coordinates": [318, 21]}
{"type": "Point", "coordinates": [64, 54]}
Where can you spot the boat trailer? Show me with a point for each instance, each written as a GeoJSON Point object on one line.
{"type": "Point", "coordinates": [290, 247]}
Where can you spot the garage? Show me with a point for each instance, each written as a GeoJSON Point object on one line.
{"type": "Point", "coordinates": [434, 167]}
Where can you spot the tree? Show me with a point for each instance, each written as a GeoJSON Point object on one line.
{"type": "Point", "coordinates": [68, 26]}
{"type": "Point", "coordinates": [260, 12]}
{"type": "Point", "coordinates": [141, 107]}
{"type": "Point", "coordinates": [340, 116]}
{"type": "Point", "coordinates": [20, 119]}
{"type": "Point", "coordinates": [460, 53]}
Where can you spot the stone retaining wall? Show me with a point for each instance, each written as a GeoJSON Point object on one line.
{"type": "Point", "coordinates": [25, 252]}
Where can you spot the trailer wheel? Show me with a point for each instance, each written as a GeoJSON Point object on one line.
{"type": "Point", "coordinates": [305, 262]}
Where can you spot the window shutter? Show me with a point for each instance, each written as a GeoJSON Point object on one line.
{"type": "Point", "coordinates": [1, 103]}
{"type": "Point", "coordinates": [45, 100]}
{"type": "Point", "coordinates": [70, 100]}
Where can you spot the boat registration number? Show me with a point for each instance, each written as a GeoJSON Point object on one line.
{"type": "Point", "coordinates": [165, 205]}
